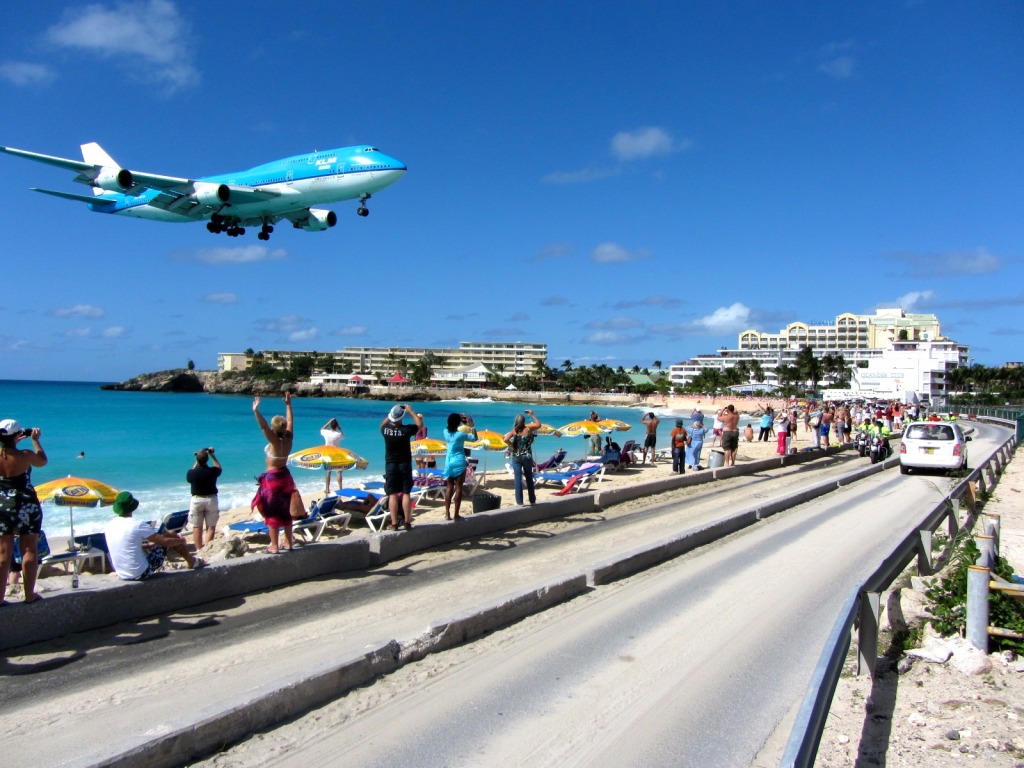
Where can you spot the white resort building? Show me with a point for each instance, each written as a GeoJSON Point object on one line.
{"type": "Point", "coordinates": [890, 353]}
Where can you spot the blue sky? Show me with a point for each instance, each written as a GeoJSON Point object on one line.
{"type": "Point", "coordinates": [625, 182]}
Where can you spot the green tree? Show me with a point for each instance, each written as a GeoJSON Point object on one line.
{"type": "Point", "coordinates": [809, 366]}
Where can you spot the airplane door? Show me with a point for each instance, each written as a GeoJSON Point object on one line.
{"type": "Point", "coordinates": [289, 177]}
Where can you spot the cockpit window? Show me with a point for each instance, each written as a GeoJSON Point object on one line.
{"type": "Point", "coordinates": [371, 149]}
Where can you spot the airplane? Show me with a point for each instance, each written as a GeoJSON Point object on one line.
{"type": "Point", "coordinates": [260, 196]}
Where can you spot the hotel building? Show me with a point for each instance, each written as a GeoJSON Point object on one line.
{"type": "Point", "coordinates": [889, 352]}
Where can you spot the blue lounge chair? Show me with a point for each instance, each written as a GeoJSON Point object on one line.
{"type": "Point", "coordinates": [584, 471]}
{"type": "Point", "coordinates": [552, 464]}
{"type": "Point", "coordinates": [310, 528]}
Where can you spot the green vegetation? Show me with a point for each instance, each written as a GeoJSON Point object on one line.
{"type": "Point", "coordinates": [948, 596]}
{"type": "Point", "coordinates": [982, 385]}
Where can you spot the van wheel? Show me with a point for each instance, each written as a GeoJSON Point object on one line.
{"type": "Point", "coordinates": [904, 469]}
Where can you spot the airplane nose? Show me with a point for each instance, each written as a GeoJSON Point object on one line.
{"type": "Point", "coordinates": [393, 164]}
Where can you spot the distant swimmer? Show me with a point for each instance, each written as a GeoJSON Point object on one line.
{"type": "Point", "coordinates": [80, 455]}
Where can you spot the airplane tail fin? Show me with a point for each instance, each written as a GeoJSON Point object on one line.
{"type": "Point", "coordinates": [94, 154]}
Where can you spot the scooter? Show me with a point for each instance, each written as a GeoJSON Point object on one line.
{"type": "Point", "coordinates": [880, 449]}
{"type": "Point", "coordinates": [861, 442]}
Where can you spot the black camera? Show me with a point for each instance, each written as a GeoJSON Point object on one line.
{"type": "Point", "coordinates": [27, 431]}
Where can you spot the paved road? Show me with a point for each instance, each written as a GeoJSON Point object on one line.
{"type": "Point", "coordinates": [621, 666]}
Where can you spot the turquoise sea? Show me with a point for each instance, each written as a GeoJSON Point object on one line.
{"type": "Point", "coordinates": [144, 442]}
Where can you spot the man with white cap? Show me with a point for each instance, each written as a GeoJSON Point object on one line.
{"type": "Point", "coordinates": [398, 480]}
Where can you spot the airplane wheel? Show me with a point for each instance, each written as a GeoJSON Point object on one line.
{"type": "Point", "coordinates": [211, 227]}
{"type": "Point", "coordinates": [263, 236]}
{"type": "Point", "coordinates": [363, 211]}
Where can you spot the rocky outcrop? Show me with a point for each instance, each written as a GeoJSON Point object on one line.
{"type": "Point", "coordinates": [183, 380]}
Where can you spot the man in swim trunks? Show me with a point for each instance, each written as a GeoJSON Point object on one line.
{"type": "Point", "coordinates": [730, 434]}
{"type": "Point", "coordinates": [651, 422]}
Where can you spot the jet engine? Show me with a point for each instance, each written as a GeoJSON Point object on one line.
{"type": "Point", "coordinates": [319, 220]}
{"type": "Point", "coordinates": [114, 179]}
{"type": "Point", "coordinates": [211, 194]}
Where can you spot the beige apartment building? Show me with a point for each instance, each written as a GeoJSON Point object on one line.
{"type": "Point", "coordinates": [513, 358]}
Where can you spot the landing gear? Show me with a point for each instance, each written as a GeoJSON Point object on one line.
{"type": "Point", "coordinates": [362, 210]}
{"type": "Point", "coordinates": [265, 231]}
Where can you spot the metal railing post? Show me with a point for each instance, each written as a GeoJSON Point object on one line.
{"type": "Point", "coordinates": [987, 547]}
{"type": "Point", "coordinates": [977, 607]}
{"type": "Point", "coordinates": [867, 632]}
{"type": "Point", "coordinates": [924, 553]}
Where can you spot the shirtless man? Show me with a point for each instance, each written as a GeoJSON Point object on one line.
{"type": "Point", "coordinates": [730, 434]}
{"type": "Point", "coordinates": [651, 421]}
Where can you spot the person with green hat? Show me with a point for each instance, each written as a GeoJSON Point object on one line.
{"type": "Point", "coordinates": [137, 549]}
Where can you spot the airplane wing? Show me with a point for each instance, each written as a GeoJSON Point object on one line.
{"type": "Point", "coordinates": [176, 192]}
{"type": "Point", "coordinates": [90, 199]}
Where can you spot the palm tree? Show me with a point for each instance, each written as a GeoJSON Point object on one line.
{"type": "Point", "coordinates": [657, 365]}
{"type": "Point", "coordinates": [809, 366]}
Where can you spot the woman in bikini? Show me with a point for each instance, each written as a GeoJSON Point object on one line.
{"type": "Point", "coordinates": [278, 499]}
{"type": "Point", "coordinates": [20, 513]}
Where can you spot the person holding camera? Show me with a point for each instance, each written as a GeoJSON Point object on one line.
{"type": "Point", "coordinates": [203, 507]}
{"type": "Point", "coordinates": [20, 512]}
{"type": "Point", "coordinates": [459, 429]}
{"type": "Point", "coordinates": [520, 445]}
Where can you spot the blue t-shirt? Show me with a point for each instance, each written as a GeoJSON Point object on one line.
{"type": "Point", "coordinates": [455, 460]}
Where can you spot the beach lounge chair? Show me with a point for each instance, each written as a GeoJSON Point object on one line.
{"type": "Point", "coordinates": [629, 453]}
{"type": "Point", "coordinates": [174, 522]}
{"type": "Point", "coordinates": [309, 528]}
{"type": "Point", "coordinates": [564, 478]}
{"type": "Point", "coordinates": [580, 481]}
{"type": "Point", "coordinates": [380, 516]}
{"type": "Point", "coordinates": [552, 464]}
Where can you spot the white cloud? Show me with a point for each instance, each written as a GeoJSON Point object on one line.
{"type": "Point", "coordinates": [350, 330]}
{"type": "Point", "coordinates": [78, 333]}
{"type": "Point", "coordinates": [613, 253]}
{"type": "Point", "coordinates": [150, 34]}
{"type": "Point", "coordinates": [911, 302]}
{"type": "Point", "coordinates": [221, 298]}
{"type": "Point", "coordinates": [114, 332]}
{"type": "Point", "coordinates": [974, 261]}
{"type": "Point", "coordinates": [249, 254]}
{"type": "Point", "coordinates": [78, 310]}
{"type": "Point", "coordinates": [615, 323]}
{"type": "Point", "coordinates": [23, 73]}
{"type": "Point", "coordinates": [608, 338]}
{"type": "Point", "coordinates": [731, 319]}
{"type": "Point", "coordinates": [582, 176]}
{"type": "Point", "coordinates": [841, 67]}
{"type": "Point", "coordinates": [304, 334]}
{"type": "Point", "coordinates": [643, 143]}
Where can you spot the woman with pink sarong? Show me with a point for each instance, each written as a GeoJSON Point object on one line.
{"type": "Point", "coordinates": [277, 499]}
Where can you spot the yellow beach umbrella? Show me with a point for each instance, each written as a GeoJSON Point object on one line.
{"type": "Point", "coordinates": [489, 440]}
{"type": "Point", "coordinates": [548, 431]}
{"type": "Point", "coordinates": [578, 428]}
{"type": "Point", "coordinates": [77, 492]}
{"type": "Point", "coordinates": [327, 457]}
{"type": "Point", "coordinates": [614, 425]}
{"type": "Point", "coordinates": [428, 446]}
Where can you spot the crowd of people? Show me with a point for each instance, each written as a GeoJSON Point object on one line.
{"type": "Point", "coordinates": [138, 549]}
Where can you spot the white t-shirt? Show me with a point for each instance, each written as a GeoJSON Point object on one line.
{"type": "Point", "coordinates": [124, 541]}
{"type": "Point", "coordinates": [332, 436]}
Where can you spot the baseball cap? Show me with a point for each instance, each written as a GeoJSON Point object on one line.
{"type": "Point", "coordinates": [10, 427]}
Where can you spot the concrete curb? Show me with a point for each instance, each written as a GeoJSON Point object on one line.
{"type": "Point", "coordinates": [103, 605]}
{"type": "Point", "coordinates": [93, 607]}
{"type": "Point", "coordinates": [277, 700]}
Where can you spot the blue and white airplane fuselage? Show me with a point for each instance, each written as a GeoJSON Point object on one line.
{"type": "Point", "coordinates": [260, 196]}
